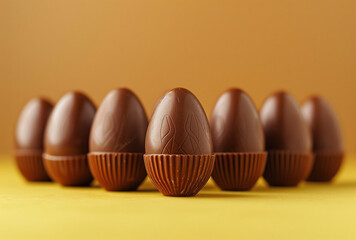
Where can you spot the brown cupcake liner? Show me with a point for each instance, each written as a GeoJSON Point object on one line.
{"type": "Point", "coordinates": [284, 168]}
{"type": "Point", "coordinates": [68, 170]}
{"type": "Point", "coordinates": [179, 175]}
{"type": "Point", "coordinates": [238, 171]}
{"type": "Point", "coordinates": [118, 171]}
{"type": "Point", "coordinates": [326, 165]}
{"type": "Point", "coordinates": [31, 166]}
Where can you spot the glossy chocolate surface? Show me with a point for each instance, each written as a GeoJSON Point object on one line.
{"type": "Point", "coordinates": [284, 125]}
{"type": "Point", "coordinates": [120, 124]}
{"type": "Point", "coordinates": [324, 125]}
{"type": "Point", "coordinates": [235, 124]}
{"type": "Point", "coordinates": [179, 126]}
{"type": "Point", "coordinates": [68, 128]}
{"type": "Point", "coordinates": [31, 124]}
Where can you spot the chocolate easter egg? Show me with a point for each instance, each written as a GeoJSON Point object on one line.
{"type": "Point", "coordinates": [120, 124]}
{"type": "Point", "coordinates": [29, 139]}
{"type": "Point", "coordinates": [325, 128]}
{"type": "Point", "coordinates": [67, 139]}
{"type": "Point", "coordinates": [179, 150]}
{"type": "Point", "coordinates": [327, 138]}
{"type": "Point", "coordinates": [68, 128]}
{"type": "Point", "coordinates": [288, 141]}
{"type": "Point", "coordinates": [117, 141]}
{"type": "Point", "coordinates": [284, 126]}
{"type": "Point", "coordinates": [179, 126]}
{"type": "Point", "coordinates": [238, 141]}
{"type": "Point", "coordinates": [31, 125]}
{"type": "Point", "coordinates": [235, 124]}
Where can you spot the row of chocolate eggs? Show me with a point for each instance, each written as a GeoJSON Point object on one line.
{"type": "Point", "coordinates": [179, 150]}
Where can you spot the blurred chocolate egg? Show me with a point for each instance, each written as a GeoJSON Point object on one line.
{"type": "Point", "coordinates": [284, 126]}
{"type": "Point", "coordinates": [327, 138]}
{"type": "Point", "coordinates": [238, 141]}
{"type": "Point", "coordinates": [288, 141]}
{"type": "Point", "coordinates": [178, 142]}
{"type": "Point", "coordinates": [29, 139]}
{"type": "Point", "coordinates": [67, 139]}
{"type": "Point", "coordinates": [117, 141]}
{"type": "Point", "coordinates": [325, 128]}
{"type": "Point", "coordinates": [235, 124]}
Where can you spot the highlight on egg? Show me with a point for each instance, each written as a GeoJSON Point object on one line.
{"type": "Point", "coordinates": [179, 155]}
{"type": "Point", "coordinates": [239, 143]}
{"type": "Point", "coordinates": [327, 138]}
{"type": "Point", "coordinates": [29, 139]}
{"type": "Point", "coordinates": [66, 140]}
{"type": "Point", "coordinates": [117, 141]}
{"type": "Point", "coordinates": [288, 141]}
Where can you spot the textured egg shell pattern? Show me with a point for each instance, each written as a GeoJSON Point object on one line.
{"type": "Point", "coordinates": [179, 126]}
{"type": "Point", "coordinates": [120, 124]}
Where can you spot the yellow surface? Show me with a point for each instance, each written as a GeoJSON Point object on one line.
{"type": "Point", "coordinates": [48, 211]}
{"type": "Point", "coordinates": [54, 46]}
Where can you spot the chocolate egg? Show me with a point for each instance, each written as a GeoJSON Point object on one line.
{"type": "Point", "coordinates": [283, 123]}
{"type": "Point", "coordinates": [288, 141]}
{"type": "Point", "coordinates": [117, 141]}
{"type": "Point", "coordinates": [29, 139]}
{"type": "Point", "coordinates": [327, 138]}
{"type": "Point", "coordinates": [179, 150]}
{"type": "Point", "coordinates": [324, 126]}
{"type": "Point", "coordinates": [66, 140]}
{"type": "Point", "coordinates": [235, 124]}
{"type": "Point", "coordinates": [238, 141]}
{"type": "Point", "coordinates": [120, 124]}
{"type": "Point", "coordinates": [179, 126]}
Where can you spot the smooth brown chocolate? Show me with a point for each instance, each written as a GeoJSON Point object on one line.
{"type": "Point", "coordinates": [324, 125]}
{"type": "Point", "coordinates": [179, 126]}
{"type": "Point", "coordinates": [235, 124]}
{"type": "Point", "coordinates": [31, 125]}
{"type": "Point", "coordinates": [117, 141]}
{"type": "Point", "coordinates": [284, 126]}
{"type": "Point", "coordinates": [238, 141]}
{"type": "Point", "coordinates": [68, 127]}
{"type": "Point", "coordinates": [288, 141]}
{"type": "Point", "coordinates": [29, 139]}
{"type": "Point", "coordinates": [179, 150]}
{"type": "Point", "coordinates": [120, 124]}
{"type": "Point", "coordinates": [327, 138]}
{"type": "Point", "coordinates": [66, 140]}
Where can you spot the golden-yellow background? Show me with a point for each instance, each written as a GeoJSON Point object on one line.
{"type": "Point", "coordinates": [51, 47]}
